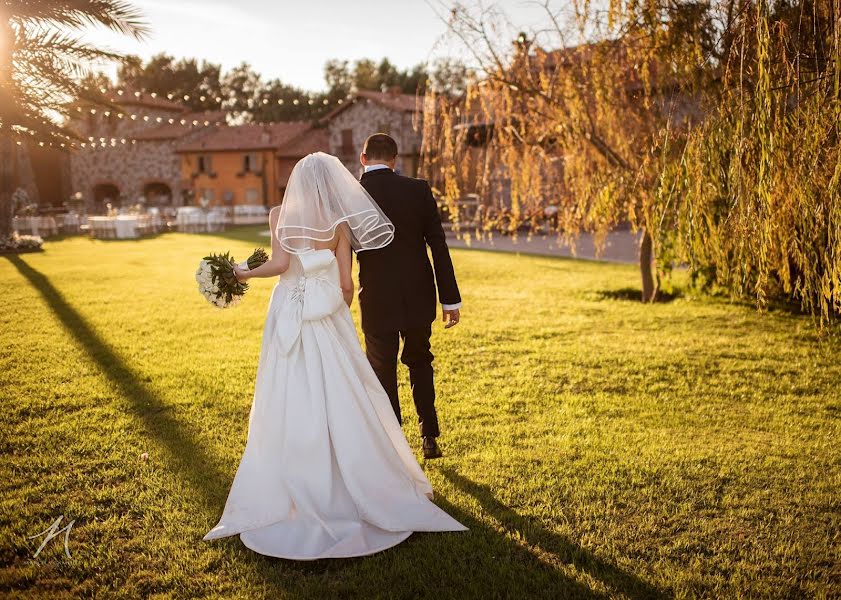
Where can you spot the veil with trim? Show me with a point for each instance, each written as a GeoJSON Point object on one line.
{"type": "Point", "coordinates": [322, 195]}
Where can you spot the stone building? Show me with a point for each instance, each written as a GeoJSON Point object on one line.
{"type": "Point", "coordinates": [314, 139]}
{"type": "Point", "coordinates": [376, 112]}
{"type": "Point", "coordinates": [129, 150]}
{"type": "Point", "coordinates": [245, 164]}
{"type": "Point", "coordinates": [147, 149]}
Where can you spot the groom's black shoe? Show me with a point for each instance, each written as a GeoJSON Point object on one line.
{"type": "Point", "coordinates": [430, 448]}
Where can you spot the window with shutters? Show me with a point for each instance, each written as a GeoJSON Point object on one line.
{"type": "Point", "coordinates": [251, 162]}
{"type": "Point", "coordinates": [204, 163]}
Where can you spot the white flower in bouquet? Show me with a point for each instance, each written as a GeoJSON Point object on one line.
{"type": "Point", "coordinates": [17, 242]}
{"type": "Point", "coordinates": [216, 279]}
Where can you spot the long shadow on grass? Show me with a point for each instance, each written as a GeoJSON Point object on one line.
{"type": "Point", "coordinates": [427, 563]}
{"type": "Point", "coordinates": [564, 549]}
{"type": "Point", "coordinates": [635, 295]}
{"type": "Point", "coordinates": [448, 565]}
{"type": "Point", "coordinates": [184, 447]}
{"type": "Point", "coordinates": [479, 563]}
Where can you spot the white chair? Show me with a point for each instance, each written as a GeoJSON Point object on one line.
{"type": "Point", "coordinates": [102, 227]}
{"type": "Point", "coordinates": [70, 223]}
{"type": "Point", "coordinates": [216, 220]}
{"type": "Point", "coordinates": [250, 214]}
{"type": "Point", "coordinates": [190, 219]}
{"type": "Point", "coordinates": [21, 225]}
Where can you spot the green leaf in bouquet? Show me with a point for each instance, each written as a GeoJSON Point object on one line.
{"type": "Point", "coordinates": [222, 272]}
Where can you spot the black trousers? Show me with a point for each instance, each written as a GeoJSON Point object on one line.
{"type": "Point", "coordinates": [382, 349]}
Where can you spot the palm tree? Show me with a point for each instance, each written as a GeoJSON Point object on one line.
{"type": "Point", "coordinates": [41, 66]}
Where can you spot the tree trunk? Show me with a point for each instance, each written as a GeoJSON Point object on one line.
{"type": "Point", "coordinates": [8, 152]}
{"type": "Point", "coordinates": [649, 284]}
{"type": "Point", "coordinates": [7, 182]}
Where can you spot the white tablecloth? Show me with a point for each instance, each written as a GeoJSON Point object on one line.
{"type": "Point", "coordinates": [43, 226]}
{"type": "Point", "coordinates": [249, 214]}
{"type": "Point", "coordinates": [126, 226]}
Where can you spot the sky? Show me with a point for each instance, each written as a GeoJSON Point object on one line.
{"type": "Point", "coordinates": [291, 40]}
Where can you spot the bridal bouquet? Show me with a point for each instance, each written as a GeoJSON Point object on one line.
{"type": "Point", "coordinates": [216, 279]}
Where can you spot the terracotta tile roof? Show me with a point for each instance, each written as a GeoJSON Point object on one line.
{"type": "Point", "coordinates": [312, 140]}
{"type": "Point", "coordinates": [253, 136]}
{"type": "Point", "coordinates": [397, 102]}
{"type": "Point", "coordinates": [175, 130]}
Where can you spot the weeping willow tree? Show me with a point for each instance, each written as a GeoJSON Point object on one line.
{"type": "Point", "coordinates": [760, 183]}
{"type": "Point", "coordinates": [569, 128]}
{"type": "Point", "coordinates": [42, 63]}
{"type": "Point", "coordinates": [711, 127]}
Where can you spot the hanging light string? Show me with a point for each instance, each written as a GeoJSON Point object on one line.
{"type": "Point", "coordinates": [262, 99]}
{"type": "Point", "coordinates": [102, 142]}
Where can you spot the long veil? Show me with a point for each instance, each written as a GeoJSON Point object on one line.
{"type": "Point", "coordinates": [322, 195]}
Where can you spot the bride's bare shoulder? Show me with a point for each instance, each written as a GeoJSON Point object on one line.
{"type": "Point", "coordinates": [273, 213]}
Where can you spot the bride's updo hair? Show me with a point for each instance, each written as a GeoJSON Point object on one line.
{"type": "Point", "coordinates": [380, 146]}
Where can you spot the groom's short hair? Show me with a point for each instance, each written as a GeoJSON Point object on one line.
{"type": "Point", "coordinates": [380, 146]}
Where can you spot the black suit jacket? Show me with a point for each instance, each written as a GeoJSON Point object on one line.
{"type": "Point", "coordinates": [397, 287]}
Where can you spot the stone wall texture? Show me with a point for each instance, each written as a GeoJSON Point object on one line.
{"type": "Point", "coordinates": [129, 165]}
{"type": "Point", "coordinates": [366, 117]}
{"type": "Point", "coordinates": [126, 155]}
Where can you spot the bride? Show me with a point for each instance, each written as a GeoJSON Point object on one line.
{"type": "Point", "coordinates": [326, 471]}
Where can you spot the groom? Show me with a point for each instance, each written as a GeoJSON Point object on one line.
{"type": "Point", "coordinates": [397, 289]}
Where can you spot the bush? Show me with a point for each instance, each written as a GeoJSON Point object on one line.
{"type": "Point", "coordinates": [21, 243]}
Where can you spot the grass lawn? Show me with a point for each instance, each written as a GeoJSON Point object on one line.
{"type": "Point", "coordinates": [594, 446]}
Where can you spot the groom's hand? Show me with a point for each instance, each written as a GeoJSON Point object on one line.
{"type": "Point", "coordinates": [450, 317]}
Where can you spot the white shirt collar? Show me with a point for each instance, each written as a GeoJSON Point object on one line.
{"type": "Point", "coordinates": [375, 167]}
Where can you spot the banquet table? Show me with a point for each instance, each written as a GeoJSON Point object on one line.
{"type": "Point", "coordinates": [71, 223]}
{"type": "Point", "coordinates": [42, 226]}
{"type": "Point", "coordinates": [125, 226]}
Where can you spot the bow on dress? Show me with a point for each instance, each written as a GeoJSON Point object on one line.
{"type": "Point", "coordinates": [314, 294]}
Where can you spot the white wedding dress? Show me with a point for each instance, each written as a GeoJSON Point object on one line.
{"type": "Point", "coordinates": [327, 471]}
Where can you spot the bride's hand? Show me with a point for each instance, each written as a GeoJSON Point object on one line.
{"type": "Point", "coordinates": [348, 296]}
{"type": "Point", "coordinates": [240, 273]}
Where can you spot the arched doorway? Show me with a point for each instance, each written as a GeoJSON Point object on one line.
{"type": "Point", "coordinates": [157, 194]}
{"type": "Point", "coordinates": [103, 193]}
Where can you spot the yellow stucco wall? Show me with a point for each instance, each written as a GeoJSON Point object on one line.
{"type": "Point", "coordinates": [225, 175]}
